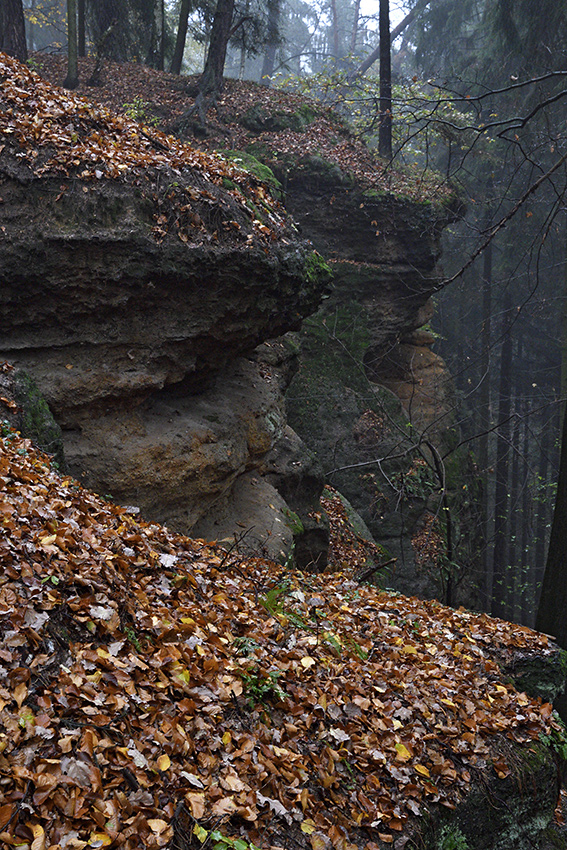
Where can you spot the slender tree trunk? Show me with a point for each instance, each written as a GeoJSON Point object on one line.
{"type": "Point", "coordinates": [355, 21]}
{"type": "Point", "coordinates": [543, 509]}
{"type": "Point", "coordinates": [81, 41]}
{"type": "Point", "coordinates": [486, 339]}
{"type": "Point", "coordinates": [563, 335]}
{"type": "Point", "coordinates": [13, 29]}
{"type": "Point", "coordinates": [212, 77]}
{"type": "Point", "coordinates": [375, 55]}
{"type": "Point", "coordinates": [335, 29]}
{"type": "Point", "coordinates": [72, 79]}
{"type": "Point", "coordinates": [161, 55]}
{"type": "Point", "coordinates": [179, 49]}
{"type": "Point", "coordinates": [551, 617]}
{"type": "Point", "coordinates": [385, 128]}
{"type": "Point", "coordinates": [31, 27]}
{"type": "Point", "coordinates": [514, 551]}
{"type": "Point", "coordinates": [272, 40]}
{"type": "Point", "coordinates": [528, 608]}
{"type": "Point", "coordinates": [484, 411]}
{"type": "Point", "coordinates": [500, 574]}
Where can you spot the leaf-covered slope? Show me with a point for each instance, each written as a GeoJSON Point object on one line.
{"type": "Point", "coordinates": [286, 130]}
{"type": "Point", "coordinates": [46, 131]}
{"type": "Point", "coordinates": [156, 687]}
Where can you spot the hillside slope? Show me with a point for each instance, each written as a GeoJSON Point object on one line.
{"type": "Point", "coordinates": [155, 688]}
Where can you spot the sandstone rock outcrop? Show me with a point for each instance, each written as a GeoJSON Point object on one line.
{"type": "Point", "coordinates": [135, 297]}
{"type": "Point", "coordinates": [371, 398]}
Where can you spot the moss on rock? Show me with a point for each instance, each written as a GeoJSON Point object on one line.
{"type": "Point", "coordinates": [36, 420]}
{"type": "Point", "coordinates": [258, 119]}
{"type": "Point", "coordinates": [543, 676]}
{"type": "Point", "coordinates": [316, 269]}
{"type": "Point", "coordinates": [248, 162]}
{"type": "Point", "coordinates": [503, 814]}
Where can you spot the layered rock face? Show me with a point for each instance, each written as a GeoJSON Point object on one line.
{"type": "Point", "coordinates": [136, 305]}
{"type": "Point", "coordinates": [142, 353]}
{"type": "Point", "coordinates": [384, 251]}
{"type": "Point", "coordinates": [371, 398]}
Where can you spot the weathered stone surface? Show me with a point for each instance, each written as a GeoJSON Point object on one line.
{"type": "Point", "coordinates": [542, 675]}
{"type": "Point", "coordinates": [140, 346]}
{"type": "Point", "coordinates": [24, 409]}
{"type": "Point", "coordinates": [99, 311]}
{"type": "Point", "coordinates": [371, 398]}
{"type": "Point", "coordinates": [384, 251]}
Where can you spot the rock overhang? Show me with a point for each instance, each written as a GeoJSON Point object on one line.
{"type": "Point", "coordinates": [124, 254]}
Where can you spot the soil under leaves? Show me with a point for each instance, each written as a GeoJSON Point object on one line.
{"type": "Point", "coordinates": [155, 688]}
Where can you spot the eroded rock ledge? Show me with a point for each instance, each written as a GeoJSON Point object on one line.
{"type": "Point", "coordinates": [135, 288]}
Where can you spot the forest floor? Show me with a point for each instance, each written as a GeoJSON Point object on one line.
{"type": "Point", "coordinates": [155, 685]}
{"type": "Point", "coordinates": [159, 99]}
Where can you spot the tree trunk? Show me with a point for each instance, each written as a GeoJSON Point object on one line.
{"type": "Point", "coordinates": [272, 40]}
{"type": "Point", "coordinates": [528, 607]}
{"type": "Point", "coordinates": [543, 512]}
{"type": "Point", "coordinates": [31, 27]}
{"type": "Point", "coordinates": [81, 41]}
{"type": "Point", "coordinates": [551, 617]}
{"type": "Point", "coordinates": [355, 21]}
{"type": "Point", "coordinates": [372, 57]}
{"type": "Point", "coordinates": [484, 405]}
{"type": "Point", "coordinates": [500, 574]}
{"type": "Point", "coordinates": [563, 335]}
{"type": "Point", "coordinates": [13, 29]}
{"type": "Point", "coordinates": [161, 29]}
{"type": "Point", "coordinates": [212, 77]}
{"type": "Point", "coordinates": [72, 79]}
{"type": "Point", "coordinates": [181, 38]}
{"type": "Point", "coordinates": [514, 551]}
{"type": "Point", "coordinates": [335, 29]}
{"type": "Point", "coordinates": [385, 127]}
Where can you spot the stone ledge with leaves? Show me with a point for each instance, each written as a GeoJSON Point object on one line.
{"type": "Point", "coordinates": [135, 288]}
{"type": "Point", "coordinates": [380, 229]}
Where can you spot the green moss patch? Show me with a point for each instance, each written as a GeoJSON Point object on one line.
{"type": "Point", "coordinates": [259, 119]}
{"type": "Point", "coordinates": [37, 422]}
{"type": "Point", "coordinates": [248, 162]}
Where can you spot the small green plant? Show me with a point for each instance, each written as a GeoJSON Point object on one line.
{"type": "Point", "coordinates": [261, 687]}
{"type": "Point", "coordinates": [333, 641]}
{"type": "Point", "coordinates": [356, 649]}
{"type": "Point", "coordinates": [451, 838]}
{"type": "Point", "coordinates": [556, 740]}
{"type": "Point", "coordinates": [219, 841]}
{"type": "Point", "coordinates": [139, 110]}
{"type": "Point", "coordinates": [419, 481]}
{"type": "Point", "coordinates": [350, 779]}
{"type": "Point", "coordinates": [273, 600]}
{"type": "Point", "coordinates": [245, 645]}
{"type": "Point", "coordinates": [26, 718]}
{"type": "Point", "coordinates": [53, 579]}
{"type": "Point", "coordinates": [133, 638]}
{"type": "Point", "coordinates": [6, 430]}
